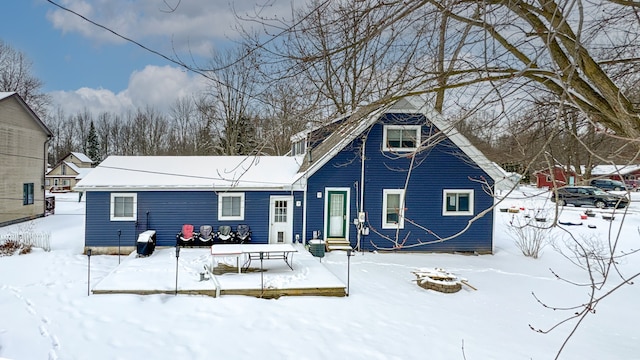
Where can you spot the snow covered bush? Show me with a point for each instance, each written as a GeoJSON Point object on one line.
{"type": "Point", "coordinates": [26, 236]}
{"type": "Point", "coordinates": [10, 247]}
{"type": "Point", "coordinates": [531, 234]}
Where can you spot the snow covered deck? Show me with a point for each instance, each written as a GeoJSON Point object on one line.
{"type": "Point", "coordinates": [156, 274]}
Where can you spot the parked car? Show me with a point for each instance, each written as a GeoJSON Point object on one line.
{"type": "Point", "coordinates": [588, 195]}
{"type": "Point", "coordinates": [608, 184]}
{"type": "Point", "coordinates": [632, 185]}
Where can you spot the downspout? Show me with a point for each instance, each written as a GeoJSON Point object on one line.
{"type": "Point", "coordinates": [44, 172]}
{"type": "Point", "coordinates": [304, 212]}
{"type": "Point", "coordinates": [362, 159]}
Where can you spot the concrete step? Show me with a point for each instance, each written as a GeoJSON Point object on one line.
{"type": "Point", "coordinates": [337, 244]}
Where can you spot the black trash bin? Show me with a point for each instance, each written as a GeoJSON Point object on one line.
{"type": "Point", "coordinates": [146, 243]}
{"type": "Point", "coordinates": [316, 247]}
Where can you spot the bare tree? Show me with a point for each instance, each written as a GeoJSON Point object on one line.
{"type": "Point", "coordinates": [282, 116]}
{"type": "Point", "coordinates": [347, 58]}
{"type": "Point", "coordinates": [16, 75]}
{"type": "Point", "coordinates": [232, 98]}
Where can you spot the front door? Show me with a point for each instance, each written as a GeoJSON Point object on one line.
{"type": "Point", "coordinates": [336, 216]}
{"type": "Point", "coordinates": [281, 220]}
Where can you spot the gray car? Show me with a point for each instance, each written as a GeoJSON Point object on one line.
{"type": "Point", "coordinates": [608, 184]}
{"type": "Point", "coordinates": [589, 196]}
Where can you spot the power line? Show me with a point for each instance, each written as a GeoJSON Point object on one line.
{"type": "Point", "coordinates": [202, 72]}
{"type": "Point", "coordinates": [22, 156]}
{"type": "Point", "coordinates": [196, 176]}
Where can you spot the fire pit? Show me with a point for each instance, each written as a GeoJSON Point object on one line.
{"type": "Point", "coordinates": [439, 280]}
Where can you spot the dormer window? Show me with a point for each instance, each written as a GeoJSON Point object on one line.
{"type": "Point", "coordinates": [401, 137]}
{"type": "Point", "coordinates": [299, 147]}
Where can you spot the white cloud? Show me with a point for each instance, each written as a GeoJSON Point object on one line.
{"type": "Point", "coordinates": [192, 27]}
{"type": "Point", "coordinates": [154, 86]}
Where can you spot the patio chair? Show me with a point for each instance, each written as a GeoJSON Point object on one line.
{"type": "Point", "coordinates": [224, 234]}
{"type": "Point", "coordinates": [186, 236]}
{"type": "Point", "coordinates": [243, 234]}
{"type": "Point", "coordinates": [206, 234]}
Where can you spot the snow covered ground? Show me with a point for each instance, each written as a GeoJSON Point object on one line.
{"type": "Point", "coordinates": [45, 312]}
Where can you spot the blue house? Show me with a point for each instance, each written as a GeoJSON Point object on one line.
{"type": "Point", "coordinates": [388, 178]}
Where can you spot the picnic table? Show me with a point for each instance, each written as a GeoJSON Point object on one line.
{"type": "Point", "coordinates": [253, 252]}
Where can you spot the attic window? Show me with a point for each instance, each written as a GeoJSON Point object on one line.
{"type": "Point", "coordinates": [401, 137]}
{"type": "Point", "coordinates": [298, 147]}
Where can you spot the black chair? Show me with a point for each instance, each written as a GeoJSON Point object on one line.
{"type": "Point", "coordinates": [224, 234]}
{"type": "Point", "coordinates": [243, 234]}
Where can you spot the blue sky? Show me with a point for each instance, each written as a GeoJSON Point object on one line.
{"type": "Point", "coordinates": [85, 67]}
{"type": "Point", "coordinates": [68, 61]}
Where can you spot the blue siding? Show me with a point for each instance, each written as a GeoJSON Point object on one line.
{"type": "Point", "coordinates": [167, 211]}
{"type": "Point", "coordinates": [442, 167]}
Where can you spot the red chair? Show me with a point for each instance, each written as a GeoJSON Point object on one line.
{"type": "Point", "coordinates": [186, 236]}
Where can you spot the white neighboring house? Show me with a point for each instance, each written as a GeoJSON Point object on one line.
{"type": "Point", "coordinates": [23, 157]}
{"type": "Point", "coordinates": [67, 172]}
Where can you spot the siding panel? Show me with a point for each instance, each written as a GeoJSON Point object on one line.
{"type": "Point", "coordinates": [167, 211]}
{"type": "Point", "coordinates": [443, 166]}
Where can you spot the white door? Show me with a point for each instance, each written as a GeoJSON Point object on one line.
{"type": "Point", "coordinates": [281, 220]}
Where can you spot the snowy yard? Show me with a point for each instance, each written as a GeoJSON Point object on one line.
{"type": "Point", "coordinates": [45, 312]}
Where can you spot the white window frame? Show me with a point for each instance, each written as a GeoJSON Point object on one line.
{"type": "Point", "coordinates": [446, 192]}
{"type": "Point", "coordinates": [385, 143]}
{"type": "Point", "coordinates": [230, 195]}
{"type": "Point", "coordinates": [400, 224]}
{"type": "Point", "coordinates": [299, 147]}
{"type": "Point", "coordinates": [134, 216]}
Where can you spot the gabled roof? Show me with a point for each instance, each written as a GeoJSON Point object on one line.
{"type": "Point", "coordinates": [6, 95]}
{"type": "Point", "coordinates": [82, 157]}
{"type": "Point", "coordinates": [72, 166]}
{"type": "Point", "coordinates": [191, 173]}
{"type": "Point", "coordinates": [365, 117]}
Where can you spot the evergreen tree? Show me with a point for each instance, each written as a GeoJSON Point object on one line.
{"type": "Point", "coordinates": [93, 147]}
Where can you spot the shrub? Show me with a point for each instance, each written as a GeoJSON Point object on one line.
{"type": "Point", "coordinates": [25, 237]}
{"type": "Point", "coordinates": [530, 237]}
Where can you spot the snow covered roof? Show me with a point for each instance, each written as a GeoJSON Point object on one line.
{"type": "Point", "coordinates": [82, 157]}
{"type": "Point", "coordinates": [82, 171]}
{"type": "Point", "coordinates": [614, 169]}
{"type": "Point", "coordinates": [192, 173]}
{"type": "Point", "coordinates": [73, 166]}
{"type": "Point", "coordinates": [6, 94]}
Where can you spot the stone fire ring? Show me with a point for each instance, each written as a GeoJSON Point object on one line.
{"type": "Point", "coordinates": [438, 280]}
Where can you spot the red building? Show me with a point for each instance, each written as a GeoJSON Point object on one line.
{"type": "Point", "coordinates": [629, 174]}
{"type": "Point", "coordinates": [560, 177]}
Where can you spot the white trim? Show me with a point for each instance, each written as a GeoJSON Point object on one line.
{"type": "Point", "coordinates": [134, 216]}
{"type": "Point", "coordinates": [400, 224]}
{"type": "Point", "coordinates": [299, 147]}
{"type": "Point", "coordinates": [326, 208]}
{"type": "Point", "coordinates": [231, 195]}
{"type": "Point", "coordinates": [471, 194]}
{"type": "Point", "coordinates": [385, 146]}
